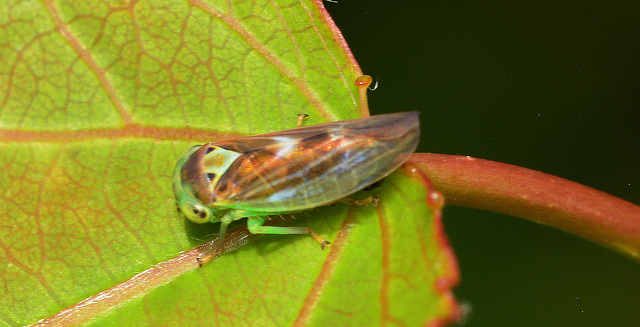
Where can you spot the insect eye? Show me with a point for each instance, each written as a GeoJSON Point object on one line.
{"type": "Point", "coordinates": [200, 212]}
{"type": "Point", "coordinates": [197, 213]}
{"type": "Point", "coordinates": [211, 176]}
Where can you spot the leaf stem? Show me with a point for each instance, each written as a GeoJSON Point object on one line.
{"type": "Point", "coordinates": [533, 195]}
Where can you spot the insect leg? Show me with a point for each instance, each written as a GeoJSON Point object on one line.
{"type": "Point", "coordinates": [224, 222]}
{"type": "Point", "coordinates": [255, 226]}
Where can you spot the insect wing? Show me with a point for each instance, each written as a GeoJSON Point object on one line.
{"type": "Point", "coordinates": [316, 165]}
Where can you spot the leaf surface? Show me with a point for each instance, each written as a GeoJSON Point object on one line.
{"type": "Point", "coordinates": [99, 100]}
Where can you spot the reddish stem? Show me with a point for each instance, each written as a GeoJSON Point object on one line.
{"type": "Point", "coordinates": [533, 195]}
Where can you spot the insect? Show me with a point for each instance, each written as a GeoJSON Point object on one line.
{"type": "Point", "coordinates": [289, 171]}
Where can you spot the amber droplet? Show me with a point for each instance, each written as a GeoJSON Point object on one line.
{"type": "Point", "coordinates": [363, 81]}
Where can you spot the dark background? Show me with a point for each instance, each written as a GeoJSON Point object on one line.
{"type": "Point", "coordinates": [552, 86]}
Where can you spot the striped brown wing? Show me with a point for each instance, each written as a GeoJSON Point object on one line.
{"type": "Point", "coordinates": [311, 166]}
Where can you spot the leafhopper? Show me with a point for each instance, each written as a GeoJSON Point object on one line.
{"type": "Point", "coordinates": [290, 171]}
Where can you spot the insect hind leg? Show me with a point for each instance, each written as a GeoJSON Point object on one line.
{"type": "Point", "coordinates": [255, 226]}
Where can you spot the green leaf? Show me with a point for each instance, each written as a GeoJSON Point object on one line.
{"type": "Point", "coordinates": [99, 100]}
